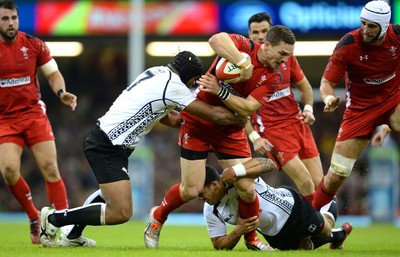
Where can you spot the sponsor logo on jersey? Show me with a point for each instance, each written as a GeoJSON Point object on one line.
{"type": "Point", "coordinates": [378, 81]}
{"type": "Point", "coordinates": [278, 94]}
{"type": "Point", "coordinates": [13, 82]}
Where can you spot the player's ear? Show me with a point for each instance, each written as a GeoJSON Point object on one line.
{"type": "Point", "coordinates": [267, 44]}
{"type": "Point", "coordinates": [214, 185]}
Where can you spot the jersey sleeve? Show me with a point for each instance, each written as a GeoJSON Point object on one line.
{"type": "Point", "coordinates": [242, 43]}
{"type": "Point", "coordinates": [44, 55]}
{"type": "Point", "coordinates": [215, 226]}
{"type": "Point", "coordinates": [337, 64]}
{"type": "Point", "coordinates": [181, 95]}
{"type": "Point", "coordinates": [296, 73]}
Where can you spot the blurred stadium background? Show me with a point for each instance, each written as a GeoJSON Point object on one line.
{"type": "Point", "coordinates": [110, 53]}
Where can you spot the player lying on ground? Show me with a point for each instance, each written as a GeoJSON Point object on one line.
{"type": "Point", "coordinates": [287, 221]}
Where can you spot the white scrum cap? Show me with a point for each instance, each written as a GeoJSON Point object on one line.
{"type": "Point", "coordinates": [378, 12]}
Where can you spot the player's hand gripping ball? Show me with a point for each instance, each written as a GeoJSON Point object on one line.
{"type": "Point", "coordinates": [226, 70]}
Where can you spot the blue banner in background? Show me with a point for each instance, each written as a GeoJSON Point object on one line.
{"type": "Point", "coordinates": [301, 16]}
{"type": "Point", "coordinates": [306, 18]}
{"type": "Point", "coordinates": [26, 15]}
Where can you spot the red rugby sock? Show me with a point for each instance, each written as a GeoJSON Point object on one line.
{"type": "Point", "coordinates": [247, 210]}
{"type": "Point", "coordinates": [57, 194]}
{"type": "Point", "coordinates": [172, 200]}
{"type": "Point", "coordinates": [322, 196]}
{"type": "Point", "coordinates": [310, 197]}
{"type": "Point", "coordinates": [22, 193]}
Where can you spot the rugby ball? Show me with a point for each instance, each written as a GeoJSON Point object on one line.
{"type": "Point", "coordinates": [225, 70]}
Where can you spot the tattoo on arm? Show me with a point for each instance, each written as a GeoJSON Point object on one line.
{"type": "Point", "coordinates": [266, 164]}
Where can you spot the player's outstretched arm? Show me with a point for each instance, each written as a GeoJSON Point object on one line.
{"type": "Point", "coordinates": [173, 119]}
{"type": "Point", "coordinates": [216, 114]}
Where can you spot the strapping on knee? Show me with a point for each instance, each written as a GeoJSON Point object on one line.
{"type": "Point", "coordinates": [341, 165]}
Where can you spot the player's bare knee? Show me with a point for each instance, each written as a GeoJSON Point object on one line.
{"type": "Point", "coordinates": [126, 215]}
{"type": "Point", "coordinates": [326, 231]}
{"type": "Point", "coordinates": [245, 188]}
{"type": "Point", "coordinates": [305, 186]}
{"type": "Point", "coordinates": [119, 216]}
{"type": "Point", "coordinates": [247, 194]}
{"type": "Point", "coordinates": [10, 175]}
{"type": "Point", "coordinates": [189, 193]}
{"type": "Point", "coordinates": [329, 218]}
{"type": "Point", "coordinates": [50, 172]}
{"type": "Point", "coordinates": [341, 165]}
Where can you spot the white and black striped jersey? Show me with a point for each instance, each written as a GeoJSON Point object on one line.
{"type": "Point", "coordinates": [153, 94]}
{"type": "Point", "coordinates": [276, 205]}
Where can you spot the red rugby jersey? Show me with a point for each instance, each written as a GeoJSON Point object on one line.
{"type": "Point", "coordinates": [19, 85]}
{"type": "Point", "coordinates": [281, 108]}
{"type": "Point", "coordinates": [372, 73]}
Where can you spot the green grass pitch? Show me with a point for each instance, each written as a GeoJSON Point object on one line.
{"type": "Point", "coordinates": [192, 241]}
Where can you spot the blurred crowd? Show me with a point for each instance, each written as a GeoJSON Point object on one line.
{"type": "Point", "coordinates": [97, 78]}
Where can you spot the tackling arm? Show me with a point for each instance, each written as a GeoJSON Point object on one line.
{"type": "Point", "coordinates": [216, 114]}
{"type": "Point", "coordinates": [251, 168]}
{"type": "Point", "coordinates": [172, 119]}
